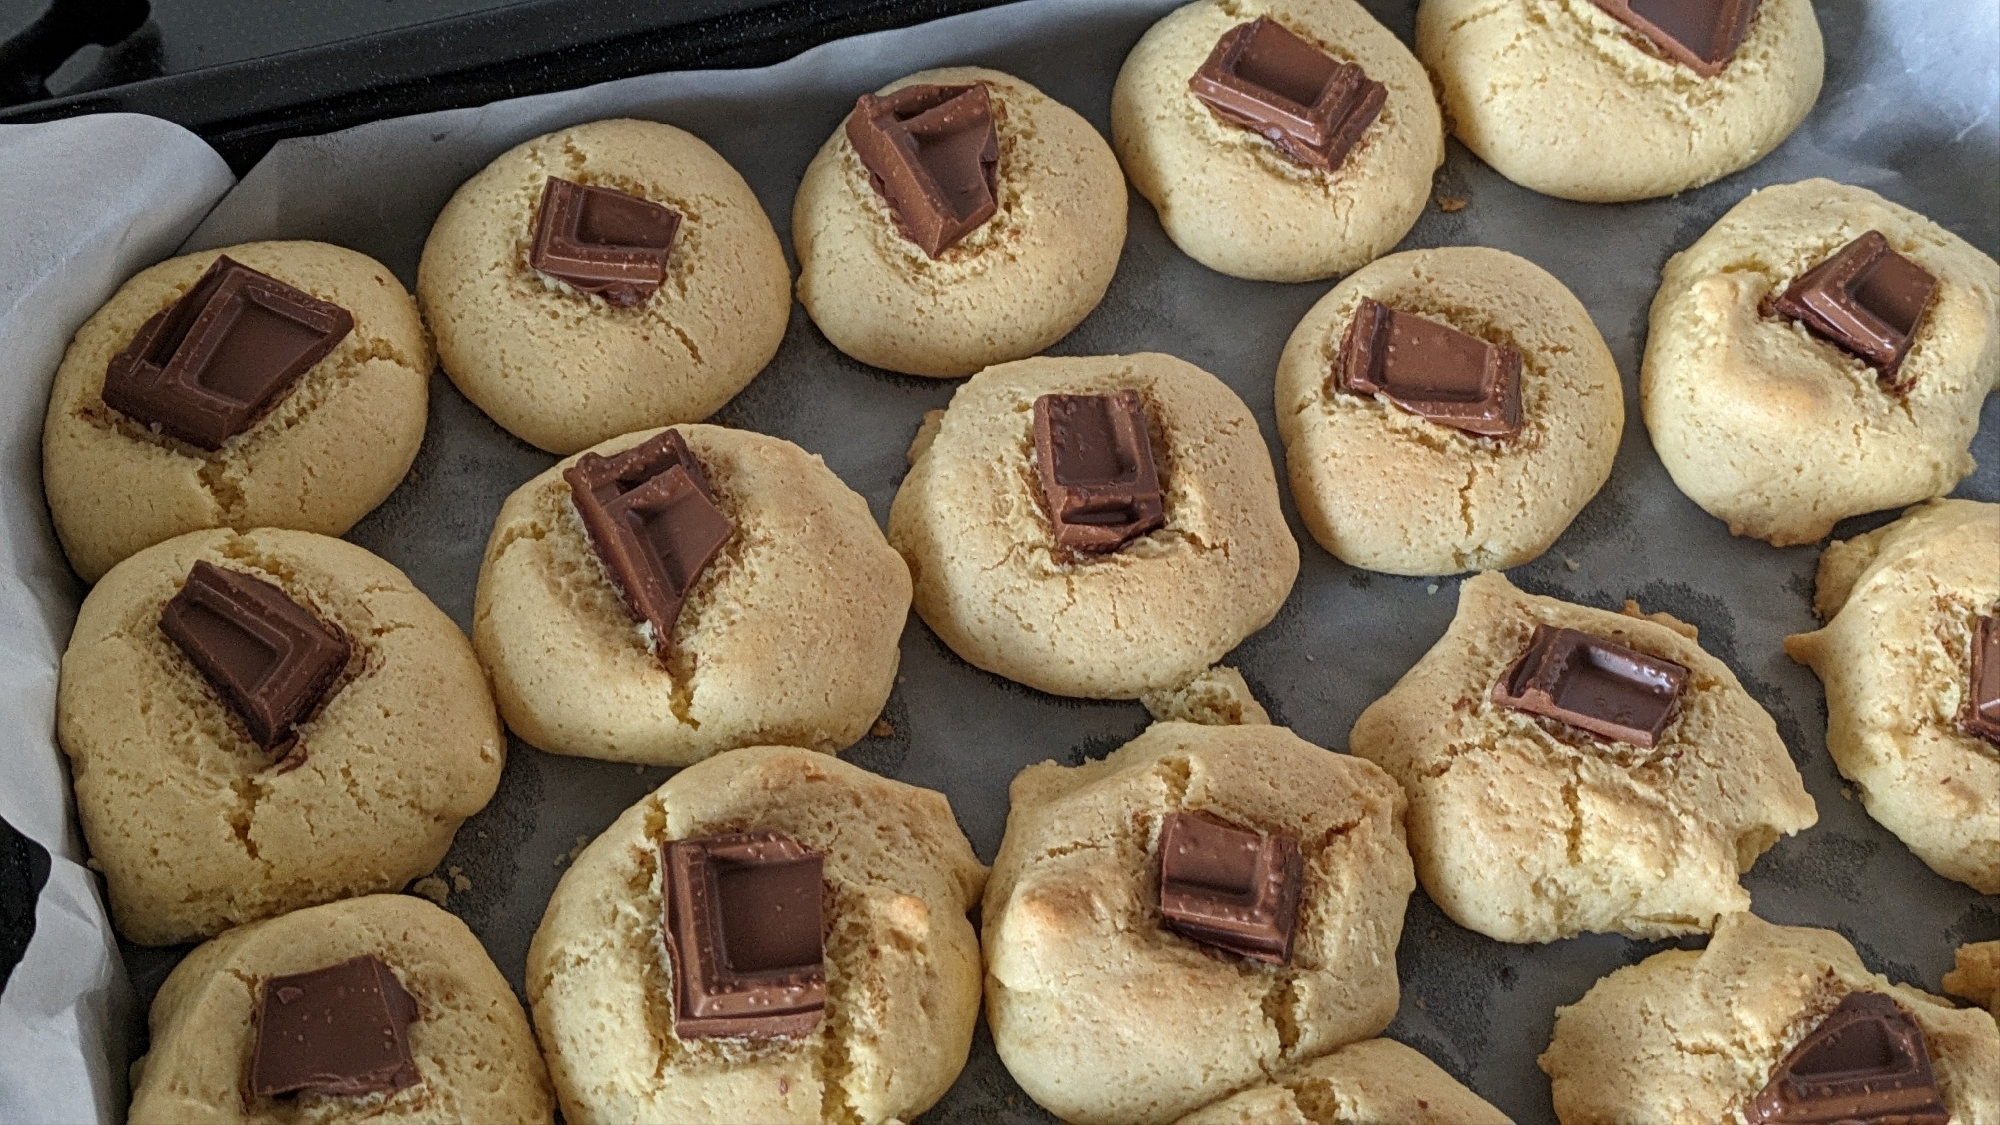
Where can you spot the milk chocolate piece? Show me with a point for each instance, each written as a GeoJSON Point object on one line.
{"type": "Point", "coordinates": [341, 1030]}
{"type": "Point", "coordinates": [603, 241]}
{"type": "Point", "coordinates": [208, 366]}
{"type": "Point", "coordinates": [1228, 887]}
{"type": "Point", "coordinates": [1702, 35]}
{"type": "Point", "coordinates": [1095, 463]}
{"type": "Point", "coordinates": [652, 519]}
{"type": "Point", "coordinates": [1431, 370]}
{"type": "Point", "coordinates": [266, 655]}
{"type": "Point", "coordinates": [1867, 299]}
{"type": "Point", "coordinates": [1866, 1061]}
{"type": "Point", "coordinates": [1266, 79]}
{"type": "Point", "coordinates": [1981, 714]}
{"type": "Point", "coordinates": [933, 153]}
{"type": "Point", "coordinates": [1593, 685]}
{"type": "Point", "coordinates": [743, 928]}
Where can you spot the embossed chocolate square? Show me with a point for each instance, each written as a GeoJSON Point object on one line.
{"type": "Point", "coordinates": [268, 657]}
{"type": "Point", "coordinates": [743, 926]}
{"type": "Point", "coordinates": [1702, 35]}
{"type": "Point", "coordinates": [1094, 459]}
{"type": "Point", "coordinates": [1866, 1061]}
{"type": "Point", "coordinates": [1867, 299]}
{"type": "Point", "coordinates": [341, 1031]}
{"type": "Point", "coordinates": [1980, 716]}
{"type": "Point", "coordinates": [1594, 685]}
{"type": "Point", "coordinates": [1431, 370]}
{"type": "Point", "coordinates": [934, 154]}
{"type": "Point", "coordinates": [1229, 887]}
{"type": "Point", "coordinates": [207, 367]}
{"type": "Point", "coordinates": [1265, 78]}
{"type": "Point", "coordinates": [603, 241]}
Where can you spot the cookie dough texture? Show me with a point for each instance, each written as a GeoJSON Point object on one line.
{"type": "Point", "coordinates": [330, 450]}
{"type": "Point", "coordinates": [1008, 289]}
{"type": "Point", "coordinates": [789, 635]}
{"type": "Point", "coordinates": [902, 962]}
{"type": "Point", "coordinates": [563, 370]}
{"type": "Point", "coordinates": [1977, 975]}
{"type": "Point", "coordinates": [475, 1055]}
{"type": "Point", "coordinates": [1895, 655]}
{"type": "Point", "coordinates": [1217, 697]}
{"type": "Point", "coordinates": [1781, 433]}
{"type": "Point", "coordinates": [1527, 830]}
{"type": "Point", "coordinates": [193, 828]}
{"type": "Point", "coordinates": [1096, 1008]}
{"type": "Point", "coordinates": [1375, 1080]}
{"type": "Point", "coordinates": [1227, 196]}
{"type": "Point", "coordinates": [991, 582]}
{"type": "Point", "coordinates": [1384, 489]}
{"type": "Point", "coordinates": [1690, 1037]}
{"type": "Point", "coordinates": [1560, 97]}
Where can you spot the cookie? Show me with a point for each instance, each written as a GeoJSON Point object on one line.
{"type": "Point", "coordinates": [1902, 606]}
{"type": "Point", "coordinates": [1217, 697]}
{"type": "Point", "coordinates": [1385, 487]}
{"type": "Point", "coordinates": [197, 826]}
{"type": "Point", "coordinates": [1528, 827]}
{"type": "Point", "coordinates": [994, 582]}
{"type": "Point", "coordinates": [472, 1054]}
{"type": "Point", "coordinates": [1781, 432]}
{"type": "Point", "coordinates": [1977, 975]}
{"type": "Point", "coordinates": [562, 367]}
{"type": "Point", "coordinates": [1564, 98]}
{"type": "Point", "coordinates": [900, 960]}
{"type": "Point", "coordinates": [1693, 1037]}
{"type": "Point", "coordinates": [1103, 1014]}
{"type": "Point", "coordinates": [1373, 1080]}
{"type": "Point", "coordinates": [1005, 289]}
{"type": "Point", "coordinates": [319, 455]}
{"type": "Point", "coordinates": [1239, 202]}
{"type": "Point", "coordinates": [790, 633]}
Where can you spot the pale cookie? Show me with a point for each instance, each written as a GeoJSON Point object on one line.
{"type": "Point", "coordinates": [902, 962]}
{"type": "Point", "coordinates": [1690, 1037]}
{"type": "Point", "coordinates": [1526, 829]}
{"type": "Point", "coordinates": [1010, 288]}
{"type": "Point", "coordinates": [475, 1056]}
{"type": "Point", "coordinates": [1562, 98]}
{"type": "Point", "coordinates": [1782, 433]}
{"type": "Point", "coordinates": [1375, 1080]}
{"type": "Point", "coordinates": [1230, 198]}
{"type": "Point", "coordinates": [1383, 488]}
{"type": "Point", "coordinates": [195, 827]}
{"type": "Point", "coordinates": [992, 583]}
{"type": "Point", "coordinates": [789, 635]}
{"type": "Point", "coordinates": [1900, 604]}
{"type": "Point", "coordinates": [332, 447]}
{"type": "Point", "coordinates": [564, 370]}
{"type": "Point", "coordinates": [1102, 1014]}
{"type": "Point", "coordinates": [1217, 697]}
{"type": "Point", "coordinates": [1977, 975]}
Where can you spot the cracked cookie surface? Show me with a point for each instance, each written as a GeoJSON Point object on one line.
{"type": "Point", "coordinates": [1373, 1080]}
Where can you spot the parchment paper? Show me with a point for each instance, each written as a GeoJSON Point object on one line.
{"type": "Point", "coordinates": [1909, 110]}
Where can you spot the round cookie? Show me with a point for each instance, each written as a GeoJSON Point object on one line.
{"type": "Point", "coordinates": [1562, 98]}
{"type": "Point", "coordinates": [1007, 290]}
{"type": "Point", "coordinates": [1780, 432]}
{"type": "Point", "coordinates": [1528, 830]}
{"type": "Point", "coordinates": [1373, 1080]}
{"type": "Point", "coordinates": [1690, 1037]}
{"type": "Point", "coordinates": [992, 583]}
{"type": "Point", "coordinates": [1976, 975]}
{"type": "Point", "coordinates": [1103, 1015]}
{"type": "Point", "coordinates": [330, 449]}
{"type": "Point", "coordinates": [1231, 199]}
{"type": "Point", "coordinates": [564, 370]}
{"type": "Point", "coordinates": [196, 828]}
{"type": "Point", "coordinates": [475, 1056]}
{"type": "Point", "coordinates": [790, 633]}
{"type": "Point", "coordinates": [1385, 489]}
{"type": "Point", "coordinates": [1900, 604]}
{"type": "Point", "coordinates": [902, 962]}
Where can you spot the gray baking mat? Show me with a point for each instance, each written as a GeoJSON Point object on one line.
{"type": "Point", "coordinates": [1908, 111]}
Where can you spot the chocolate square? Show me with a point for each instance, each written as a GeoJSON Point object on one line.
{"type": "Point", "coordinates": [1867, 299]}
{"type": "Point", "coordinates": [208, 366]}
{"type": "Point", "coordinates": [652, 520]}
{"type": "Point", "coordinates": [1866, 1061]}
{"type": "Point", "coordinates": [934, 154]}
{"type": "Point", "coordinates": [1981, 714]}
{"type": "Point", "coordinates": [1702, 35]}
{"type": "Point", "coordinates": [1094, 459]}
{"type": "Point", "coordinates": [1594, 685]}
{"type": "Point", "coordinates": [342, 1031]}
{"type": "Point", "coordinates": [1265, 78]}
{"type": "Point", "coordinates": [266, 655]}
{"type": "Point", "coordinates": [1229, 887]}
{"type": "Point", "coordinates": [743, 926]}
{"type": "Point", "coordinates": [603, 241]}
{"type": "Point", "coordinates": [1431, 370]}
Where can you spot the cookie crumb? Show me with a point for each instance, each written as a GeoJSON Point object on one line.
{"type": "Point", "coordinates": [575, 850]}
{"type": "Point", "coordinates": [1218, 697]}
{"type": "Point", "coordinates": [1450, 203]}
{"type": "Point", "coordinates": [431, 887]}
{"type": "Point", "coordinates": [1569, 563]}
{"type": "Point", "coordinates": [1431, 589]}
{"type": "Point", "coordinates": [1846, 794]}
{"type": "Point", "coordinates": [1421, 1006]}
{"type": "Point", "coordinates": [459, 881]}
{"type": "Point", "coordinates": [882, 729]}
